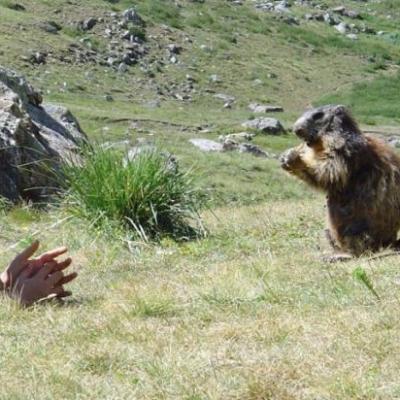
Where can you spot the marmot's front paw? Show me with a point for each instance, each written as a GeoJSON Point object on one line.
{"type": "Point", "coordinates": [287, 158]}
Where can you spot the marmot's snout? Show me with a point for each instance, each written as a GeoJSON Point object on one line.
{"type": "Point", "coordinates": [301, 130]}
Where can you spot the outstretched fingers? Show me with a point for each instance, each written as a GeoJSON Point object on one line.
{"type": "Point", "coordinates": [67, 278]}
{"type": "Point", "coordinates": [28, 252]}
{"type": "Point", "coordinates": [20, 262]}
{"type": "Point", "coordinates": [48, 256]}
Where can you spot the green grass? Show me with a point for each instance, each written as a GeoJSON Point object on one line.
{"type": "Point", "coordinates": [378, 98]}
{"type": "Point", "coordinates": [147, 193]}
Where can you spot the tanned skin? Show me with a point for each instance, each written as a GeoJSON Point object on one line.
{"type": "Point", "coordinates": [359, 173]}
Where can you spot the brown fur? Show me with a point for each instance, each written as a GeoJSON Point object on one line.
{"type": "Point", "coordinates": [359, 173]}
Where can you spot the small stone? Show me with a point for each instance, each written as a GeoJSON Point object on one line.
{"type": "Point", "coordinates": [339, 10]}
{"type": "Point", "coordinates": [88, 24]}
{"type": "Point", "coordinates": [224, 97]}
{"type": "Point", "coordinates": [111, 61]}
{"type": "Point", "coordinates": [153, 104]}
{"type": "Point", "coordinates": [174, 48]}
{"type": "Point", "coordinates": [342, 28]}
{"type": "Point", "coordinates": [50, 27]}
{"type": "Point", "coordinates": [132, 15]}
{"type": "Point", "coordinates": [352, 36]}
{"type": "Point", "coordinates": [262, 108]}
{"type": "Point", "coordinates": [215, 78]}
{"type": "Point", "coordinates": [38, 58]}
{"type": "Point", "coordinates": [229, 145]}
{"type": "Point", "coordinates": [352, 14]}
{"type": "Point", "coordinates": [122, 68]}
{"type": "Point", "coordinates": [238, 137]}
{"type": "Point", "coordinates": [207, 145]}
{"type": "Point", "coordinates": [253, 149]}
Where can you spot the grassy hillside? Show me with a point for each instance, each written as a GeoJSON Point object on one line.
{"type": "Point", "coordinates": [251, 311]}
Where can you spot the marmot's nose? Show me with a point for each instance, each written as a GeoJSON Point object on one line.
{"type": "Point", "coordinates": [300, 128]}
{"type": "Point", "coordinates": [300, 131]}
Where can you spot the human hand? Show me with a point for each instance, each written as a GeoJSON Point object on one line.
{"type": "Point", "coordinates": [37, 282]}
{"type": "Point", "coordinates": [31, 267]}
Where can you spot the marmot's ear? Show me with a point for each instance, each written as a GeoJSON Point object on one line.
{"type": "Point", "coordinates": [340, 110]}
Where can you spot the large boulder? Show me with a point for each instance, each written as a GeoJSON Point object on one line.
{"type": "Point", "coordinates": [265, 125]}
{"type": "Point", "coordinates": [35, 139]}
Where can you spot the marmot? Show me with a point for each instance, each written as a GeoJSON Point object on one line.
{"type": "Point", "coordinates": [359, 173]}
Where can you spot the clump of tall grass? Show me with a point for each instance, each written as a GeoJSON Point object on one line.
{"type": "Point", "coordinates": [147, 193]}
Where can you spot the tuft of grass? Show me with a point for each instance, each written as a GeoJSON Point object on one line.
{"type": "Point", "coordinates": [361, 276]}
{"type": "Point", "coordinates": [148, 193]}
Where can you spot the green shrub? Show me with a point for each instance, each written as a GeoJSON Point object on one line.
{"type": "Point", "coordinates": [148, 193]}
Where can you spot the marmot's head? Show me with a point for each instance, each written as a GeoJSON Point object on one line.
{"type": "Point", "coordinates": [315, 123]}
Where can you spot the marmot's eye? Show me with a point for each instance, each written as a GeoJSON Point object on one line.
{"type": "Point", "coordinates": [318, 116]}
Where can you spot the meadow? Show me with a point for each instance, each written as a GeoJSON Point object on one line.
{"type": "Point", "coordinates": [248, 310]}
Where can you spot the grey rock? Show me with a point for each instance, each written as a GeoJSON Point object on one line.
{"type": "Point", "coordinates": [224, 97]}
{"type": "Point", "coordinates": [35, 139]}
{"type": "Point", "coordinates": [88, 24]}
{"type": "Point", "coordinates": [122, 68]}
{"type": "Point", "coordinates": [38, 58]}
{"type": "Point", "coordinates": [174, 48]}
{"type": "Point", "coordinates": [339, 10]}
{"type": "Point", "coordinates": [352, 14]}
{"type": "Point", "coordinates": [18, 84]}
{"type": "Point", "coordinates": [129, 58]}
{"type": "Point", "coordinates": [215, 78]}
{"type": "Point", "coordinates": [253, 149]}
{"type": "Point", "coordinates": [282, 7]}
{"type": "Point", "coordinates": [112, 61]}
{"type": "Point", "coordinates": [265, 125]}
{"type": "Point", "coordinates": [264, 108]}
{"type": "Point", "coordinates": [330, 19]}
{"type": "Point", "coordinates": [50, 27]}
{"type": "Point", "coordinates": [352, 36]}
{"type": "Point", "coordinates": [132, 15]}
{"type": "Point", "coordinates": [207, 145]}
{"type": "Point", "coordinates": [153, 104]}
{"type": "Point", "coordinates": [238, 137]}
{"type": "Point", "coordinates": [342, 28]}
{"type": "Point", "coordinates": [230, 145]}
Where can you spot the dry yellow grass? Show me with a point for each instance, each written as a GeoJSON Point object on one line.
{"type": "Point", "coordinates": [251, 312]}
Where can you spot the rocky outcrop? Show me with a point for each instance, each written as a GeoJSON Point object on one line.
{"type": "Point", "coordinates": [35, 139]}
